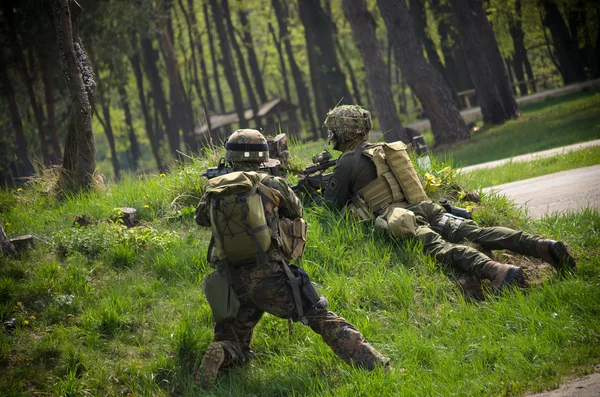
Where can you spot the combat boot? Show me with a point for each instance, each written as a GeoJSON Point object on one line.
{"type": "Point", "coordinates": [555, 253]}
{"type": "Point", "coordinates": [206, 376]}
{"type": "Point", "coordinates": [500, 274]}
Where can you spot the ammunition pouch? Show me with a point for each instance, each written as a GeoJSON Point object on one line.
{"type": "Point", "coordinates": [292, 236]}
{"type": "Point", "coordinates": [397, 221]}
{"type": "Point", "coordinates": [447, 226]}
{"type": "Point", "coordinates": [358, 209]}
{"type": "Point", "coordinates": [220, 294]}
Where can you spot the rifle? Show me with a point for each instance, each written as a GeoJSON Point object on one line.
{"type": "Point", "coordinates": [224, 167]}
{"type": "Point", "coordinates": [314, 180]}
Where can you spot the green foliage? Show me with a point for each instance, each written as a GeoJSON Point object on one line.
{"type": "Point", "coordinates": [94, 240]}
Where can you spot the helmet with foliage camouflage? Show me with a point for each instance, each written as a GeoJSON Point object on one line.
{"type": "Point", "coordinates": [348, 122]}
{"type": "Point", "coordinates": [247, 146]}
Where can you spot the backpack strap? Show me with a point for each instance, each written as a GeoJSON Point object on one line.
{"type": "Point", "coordinates": [295, 284]}
{"type": "Point", "coordinates": [236, 281]}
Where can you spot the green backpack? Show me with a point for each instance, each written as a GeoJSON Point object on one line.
{"type": "Point", "coordinates": [237, 216]}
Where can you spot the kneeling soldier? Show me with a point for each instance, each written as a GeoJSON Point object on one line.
{"type": "Point", "coordinates": [257, 227]}
{"type": "Point", "coordinates": [379, 182]}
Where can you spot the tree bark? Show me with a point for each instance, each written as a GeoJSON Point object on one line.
{"type": "Point", "coordinates": [134, 147]}
{"type": "Point", "coordinates": [363, 29]}
{"type": "Point", "coordinates": [446, 122]}
{"type": "Point", "coordinates": [137, 71]}
{"type": "Point", "coordinates": [25, 167]}
{"type": "Point", "coordinates": [228, 66]}
{"type": "Point", "coordinates": [569, 63]}
{"type": "Point", "coordinates": [484, 61]}
{"type": "Point", "coordinates": [213, 58]}
{"type": "Point", "coordinates": [191, 30]}
{"type": "Point", "coordinates": [79, 160]}
{"type": "Point", "coordinates": [49, 98]}
{"type": "Point", "coordinates": [252, 59]}
{"type": "Point", "coordinates": [281, 12]}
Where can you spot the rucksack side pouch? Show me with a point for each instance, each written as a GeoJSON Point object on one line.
{"type": "Point", "coordinates": [292, 234]}
{"type": "Point", "coordinates": [220, 295]}
{"type": "Point", "coordinates": [398, 222]}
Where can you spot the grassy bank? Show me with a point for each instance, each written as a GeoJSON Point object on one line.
{"type": "Point", "coordinates": [105, 310]}
{"type": "Point", "coordinates": [517, 171]}
{"type": "Point", "coordinates": [545, 125]}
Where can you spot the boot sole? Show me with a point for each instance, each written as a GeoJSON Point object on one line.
{"type": "Point", "coordinates": [513, 275]}
{"type": "Point", "coordinates": [563, 260]}
{"type": "Point", "coordinates": [211, 363]}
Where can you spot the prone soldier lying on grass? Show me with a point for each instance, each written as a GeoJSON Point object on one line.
{"type": "Point", "coordinates": [379, 182]}
{"type": "Point", "coordinates": [257, 227]}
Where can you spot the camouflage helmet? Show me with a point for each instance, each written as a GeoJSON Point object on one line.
{"type": "Point", "coordinates": [348, 122]}
{"type": "Point", "coordinates": [248, 146]}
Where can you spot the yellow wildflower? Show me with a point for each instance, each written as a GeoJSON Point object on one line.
{"type": "Point", "coordinates": [19, 190]}
{"type": "Point", "coordinates": [32, 317]}
{"type": "Point", "coordinates": [162, 175]}
{"type": "Point", "coordinates": [146, 206]}
{"type": "Point", "coordinates": [26, 322]}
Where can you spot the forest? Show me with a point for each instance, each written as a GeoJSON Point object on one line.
{"type": "Point", "coordinates": [103, 88]}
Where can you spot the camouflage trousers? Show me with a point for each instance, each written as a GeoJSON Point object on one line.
{"type": "Point", "coordinates": [269, 291]}
{"type": "Point", "coordinates": [442, 238]}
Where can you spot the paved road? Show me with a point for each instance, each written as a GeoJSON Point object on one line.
{"type": "Point", "coordinates": [588, 386]}
{"type": "Point", "coordinates": [559, 192]}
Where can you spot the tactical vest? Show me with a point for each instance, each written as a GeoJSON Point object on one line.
{"type": "Point", "coordinates": [397, 181]}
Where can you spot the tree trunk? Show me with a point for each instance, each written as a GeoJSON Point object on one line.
{"type": "Point", "coordinates": [191, 30]}
{"type": "Point", "coordinates": [281, 12]}
{"type": "Point", "coordinates": [363, 29]}
{"type": "Point", "coordinates": [134, 147]}
{"type": "Point", "coordinates": [484, 61]}
{"type": "Point", "coordinates": [79, 160]}
{"type": "Point", "coordinates": [446, 122]}
{"type": "Point", "coordinates": [137, 71]}
{"type": "Point", "coordinates": [228, 67]}
{"type": "Point", "coordinates": [252, 59]}
{"type": "Point", "coordinates": [282, 67]}
{"type": "Point", "coordinates": [19, 57]}
{"type": "Point", "coordinates": [25, 167]}
{"type": "Point", "coordinates": [49, 98]}
{"type": "Point", "coordinates": [213, 59]}
{"type": "Point", "coordinates": [569, 63]}
{"type": "Point", "coordinates": [349, 69]}
{"type": "Point", "coordinates": [318, 31]}
{"type": "Point", "coordinates": [200, 51]}
{"type": "Point", "coordinates": [178, 111]}
{"type": "Point", "coordinates": [419, 15]}
{"type": "Point", "coordinates": [107, 125]}
{"type": "Point", "coordinates": [240, 58]}
{"type": "Point", "coordinates": [520, 54]}
{"type": "Point", "coordinates": [150, 59]}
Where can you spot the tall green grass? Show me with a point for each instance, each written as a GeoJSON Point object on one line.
{"type": "Point", "coordinates": [105, 310]}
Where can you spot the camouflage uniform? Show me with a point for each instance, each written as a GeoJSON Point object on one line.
{"type": "Point", "coordinates": [348, 127]}
{"type": "Point", "coordinates": [268, 290]}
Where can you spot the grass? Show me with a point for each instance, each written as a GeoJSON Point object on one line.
{"type": "Point", "coordinates": [105, 310]}
{"type": "Point", "coordinates": [545, 125]}
{"type": "Point", "coordinates": [517, 171]}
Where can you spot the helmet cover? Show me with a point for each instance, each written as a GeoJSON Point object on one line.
{"type": "Point", "coordinates": [348, 122]}
{"type": "Point", "coordinates": [247, 146]}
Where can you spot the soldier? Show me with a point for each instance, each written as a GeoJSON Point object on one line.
{"type": "Point", "coordinates": [361, 185]}
{"type": "Point", "coordinates": [266, 283]}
